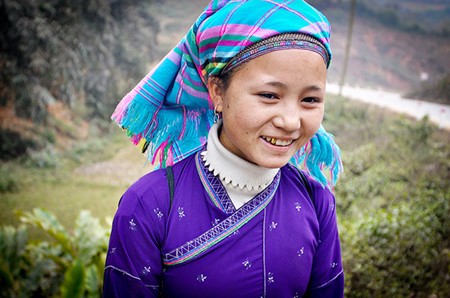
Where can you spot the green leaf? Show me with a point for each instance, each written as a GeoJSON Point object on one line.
{"type": "Point", "coordinates": [6, 278]}
{"type": "Point", "coordinates": [90, 237]}
{"type": "Point", "coordinates": [47, 222]}
{"type": "Point", "coordinates": [12, 248]}
{"type": "Point", "coordinates": [73, 285]}
{"type": "Point", "coordinates": [93, 281]}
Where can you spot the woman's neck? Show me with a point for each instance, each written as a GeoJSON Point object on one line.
{"type": "Point", "coordinates": [242, 179]}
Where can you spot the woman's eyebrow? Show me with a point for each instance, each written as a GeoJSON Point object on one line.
{"type": "Point", "coordinates": [275, 84]}
{"type": "Point", "coordinates": [282, 85]}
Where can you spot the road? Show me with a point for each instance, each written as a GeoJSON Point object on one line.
{"type": "Point", "coordinates": [437, 113]}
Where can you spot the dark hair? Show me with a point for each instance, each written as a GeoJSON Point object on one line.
{"type": "Point", "coordinates": [224, 78]}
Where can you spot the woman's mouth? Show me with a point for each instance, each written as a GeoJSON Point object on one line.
{"type": "Point", "coordinates": [277, 142]}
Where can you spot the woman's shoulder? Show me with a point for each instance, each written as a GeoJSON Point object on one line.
{"type": "Point", "coordinates": [302, 177]}
{"type": "Point", "coordinates": [153, 188]}
{"type": "Point", "coordinates": [318, 194]}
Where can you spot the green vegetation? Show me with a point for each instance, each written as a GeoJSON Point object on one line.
{"type": "Point", "coordinates": [64, 63]}
{"type": "Point", "coordinates": [66, 265]}
{"type": "Point", "coordinates": [393, 202]}
{"type": "Point", "coordinates": [86, 176]}
{"type": "Point", "coordinates": [437, 91]}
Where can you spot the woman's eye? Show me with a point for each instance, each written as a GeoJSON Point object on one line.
{"type": "Point", "coordinates": [311, 100]}
{"type": "Point", "coordinates": [268, 95]}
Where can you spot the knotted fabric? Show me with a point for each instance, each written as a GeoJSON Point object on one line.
{"type": "Point", "coordinates": [169, 112]}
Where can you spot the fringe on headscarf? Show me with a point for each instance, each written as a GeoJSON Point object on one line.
{"type": "Point", "coordinates": [320, 154]}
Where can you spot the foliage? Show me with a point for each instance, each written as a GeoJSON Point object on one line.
{"type": "Point", "coordinates": [438, 91]}
{"type": "Point", "coordinates": [67, 265]}
{"type": "Point", "coordinates": [399, 251]}
{"type": "Point", "coordinates": [393, 202]}
{"type": "Point", "coordinates": [8, 182]}
{"type": "Point", "coordinates": [45, 158]}
{"type": "Point", "coordinates": [81, 54]}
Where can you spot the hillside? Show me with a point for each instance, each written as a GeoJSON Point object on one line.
{"type": "Point", "coordinates": [64, 65]}
{"type": "Point", "coordinates": [391, 48]}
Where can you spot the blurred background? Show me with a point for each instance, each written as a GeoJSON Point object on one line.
{"type": "Point", "coordinates": [64, 65]}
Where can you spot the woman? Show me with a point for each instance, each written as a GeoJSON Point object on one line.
{"type": "Point", "coordinates": [235, 107]}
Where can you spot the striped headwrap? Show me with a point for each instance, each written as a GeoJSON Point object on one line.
{"type": "Point", "coordinates": [169, 112]}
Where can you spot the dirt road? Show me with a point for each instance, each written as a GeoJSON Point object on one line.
{"type": "Point", "coordinates": [437, 113]}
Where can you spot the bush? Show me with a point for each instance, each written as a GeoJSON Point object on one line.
{"type": "Point", "coordinates": [67, 265]}
{"type": "Point", "coordinates": [8, 181]}
{"type": "Point", "coordinates": [45, 158]}
{"type": "Point", "coordinates": [393, 203]}
{"type": "Point", "coordinates": [437, 90]}
{"type": "Point", "coordinates": [399, 251]}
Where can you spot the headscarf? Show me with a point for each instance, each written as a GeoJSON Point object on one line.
{"type": "Point", "coordinates": [169, 112]}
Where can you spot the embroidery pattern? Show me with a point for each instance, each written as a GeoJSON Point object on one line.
{"type": "Point", "coordinates": [158, 213]}
{"type": "Point", "coordinates": [201, 278]}
{"type": "Point", "coordinates": [181, 212]}
{"type": "Point", "coordinates": [273, 226]}
{"type": "Point", "coordinates": [247, 264]}
{"type": "Point", "coordinates": [215, 222]}
{"type": "Point", "coordinates": [270, 278]}
{"type": "Point", "coordinates": [225, 228]}
{"type": "Point", "coordinates": [214, 187]}
{"type": "Point", "coordinates": [146, 270]}
{"type": "Point", "coordinates": [132, 225]}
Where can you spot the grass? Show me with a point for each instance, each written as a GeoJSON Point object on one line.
{"type": "Point", "coordinates": [91, 178]}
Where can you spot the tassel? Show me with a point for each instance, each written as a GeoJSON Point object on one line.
{"type": "Point", "coordinates": [321, 153]}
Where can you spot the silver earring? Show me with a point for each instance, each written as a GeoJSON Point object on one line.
{"type": "Point", "coordinates": [216, 115]}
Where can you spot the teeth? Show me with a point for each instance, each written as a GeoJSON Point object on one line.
{"type": "Point", "coordinates": [278, 142]}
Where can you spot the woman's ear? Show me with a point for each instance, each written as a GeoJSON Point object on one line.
{"type": "Point", "coordinates": [215, 91]}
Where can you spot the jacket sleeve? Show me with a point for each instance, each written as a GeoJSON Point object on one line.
{"type": "Point", "coordinates": [133, 265]}
{"type": "Point", "coordinates": [327, 276]}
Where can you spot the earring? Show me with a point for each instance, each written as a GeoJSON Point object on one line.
{"type": "Point", "coordinates": [216, 115]}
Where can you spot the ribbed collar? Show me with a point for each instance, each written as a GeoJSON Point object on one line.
{"type": "Point", "coordinates": [231, 168]}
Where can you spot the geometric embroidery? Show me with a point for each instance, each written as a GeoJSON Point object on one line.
{"type": "Point", "coordinates": [214, 187]}
{"type": "Point", "coordinates": [224, 228]}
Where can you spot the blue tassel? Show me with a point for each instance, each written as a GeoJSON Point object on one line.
{"type": "Point", "coordinates": [322, 153]}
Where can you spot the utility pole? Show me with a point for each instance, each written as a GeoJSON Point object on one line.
{"type": "Point", "coordinates": [347, 46]}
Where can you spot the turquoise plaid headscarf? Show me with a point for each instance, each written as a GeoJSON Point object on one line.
{"type": "Point", "coordinates": [169, 112]}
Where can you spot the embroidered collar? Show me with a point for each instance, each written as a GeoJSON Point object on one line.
{"type": "Point", "coordinates": [232, 169]}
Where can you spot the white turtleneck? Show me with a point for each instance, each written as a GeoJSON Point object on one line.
{"type": "Point", "coordinates": [242, 180]}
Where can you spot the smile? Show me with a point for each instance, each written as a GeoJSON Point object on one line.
{"type": "Point", "coordinates": [277, 142]}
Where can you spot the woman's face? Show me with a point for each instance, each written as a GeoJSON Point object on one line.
{"type": "Point", "coordinates": [272, 106]}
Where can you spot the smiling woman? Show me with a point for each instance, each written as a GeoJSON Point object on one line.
{"type": "Point", "coordinates": [233, 113]}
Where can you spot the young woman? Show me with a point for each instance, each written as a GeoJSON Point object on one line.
{"type": "Point", "coordinates": [233, 111]}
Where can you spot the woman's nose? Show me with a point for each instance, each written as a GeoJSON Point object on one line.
{"type": "Point", "coordinates": [288, 118]}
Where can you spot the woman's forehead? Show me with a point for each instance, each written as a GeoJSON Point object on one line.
{"type": "Point", "coordinates": [290, 69]}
